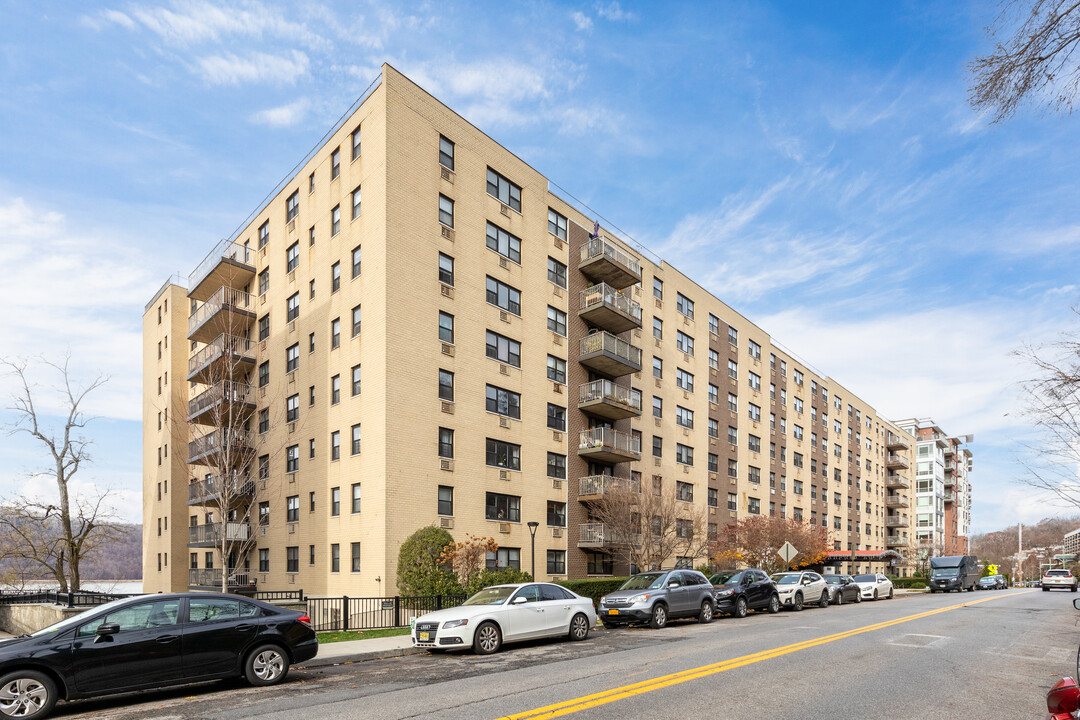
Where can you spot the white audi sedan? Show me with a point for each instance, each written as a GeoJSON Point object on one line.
{"type": "Point", "coordinates": [503, 614]}
{"type": "Point", "coordinates": [874, 587]}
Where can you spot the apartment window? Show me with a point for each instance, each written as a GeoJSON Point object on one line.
{"type": "Point", "coordinates": [356, 495]}
{"type": "Point", "coordinates": [733, 402]}
{"type": "Point", "coordinates": [503, 190]}
{"type": "Point", "coordinates": [355, 380]}
{"type": "Point", "coordinates": [658, 288]}
{"type": "Point", "coordinates": [264, 327]}
{"type": "Point", "coordinates": [714, 497]}
{"type": "Point", "coordinates": [733, 435]}
{"type": "Point", "coordinates": [335, 333]}
{"type": "Point", "coordinates": [503, 507]}
{"type": "Point", "coordinates": [556, 224]}
{"type": "Point", "coordinates": [292, 357]}
{"type": "Point", "coordinates": [355, 557]}
{"type": "Point", "coordinates": [446, 443]}
{"type": "Point", "coordinates": [335, 502]}
{"type": "Point", "coordinates": [714, 324]}
{"type": "Point", "coordinates": [684, 491]}
{"type": "Point", "coordinates": [755, 412]}
{"type": "Point", "coordinates": [446, 269]}
{"type": "Point", "coordinates": [311, 183]}
{"type": "Point", "coordinates": [264, 467]}
{"type": "Point", "coordinates": [684, 342]}
{"type": "Point", "coordinates": [335, 446]}
{"type": "Point", "coordinates": [446, 327]}
{"type": "Point", "coordinates": [504, 558]}
{"type": "Point", "coordinates": [732, 501]}
{"type": "Point", "coordinates": [355, 439]}
{"type": "Point", "coordinates": [446, 211]}
{"type": "Point", "coordinates": [292, 458]}
{"type": "Point", "coordinates": [503, 454]}
{"type": "Point", "coordinates": [311, 455]}
{"type": "Point", "coordinates": [754, 474]}
{"type": "Point", "coordinates": [335, 277]}
{"type": "Point", "coordinates": [503, 243]}
{"type": "Point", "coordinates": [507, 351]}
{"type": "Point", "coordinates": [292, 508]}
{"type": "Point", "coordinates": [292, 257]}
{"type": "Point", "coordinates": [264, 281]}
{"type": "Point", "coordinates": [264, 234]}
{"type": "Point", "coordinates": [446, 385]}
{"type": "Point", "coordinates": [356, 143]}
{"type": "Point", "coordinates": [556, 417]}
{"type": "Point", "coordinates": [556, 562]}
{"type": "Point", "coordinates": [797, 403]}
{"type": "Point", "coordinates": [311, 554]}
{"type": "Point", "coordinates": [356, 321]}
{"type": "Point", "coordinates": [599, 563]}
{"type": "Point", "coordinates": [684, 454]}
{"type": "Point", "coordinates": [657, 367]}
{"type": "Point", "coordinates": [714, 463]}
{"type": "Point", "coordinates": [798, 376]}
{"type": "Point", "coordinates": [264, 513]}
{"type": "Point", "coordinates": [355, 206]}
{"type": "Point", "coordinates": [684, 417]}
{"type": "Point", "coordinates": [503, 296]}
{"type": "Point", "coordinates": [556, 369]}
{"type": "Point", "coordinates": [755, 381]}
{"type": "Point", "coordinates": [503, 402]}
{"type": "Point", "coordinates": [446, 153]}
{"type": "Point", "coordinates": [356, 257]}
{"type": "Point", "coordinates": [657, 407]}
{"type": "Point", "coordinates": [798, 432]}
{"type": "Point", "coordinates": [556, 466]}
{"type": "Point", "coordinates": [658, 328]}
{"type": "Point", "coordinates": [335, 389]}
{"type": "Point", "coordinates": [657, 446]}
{"type": "Point", "coordinates": [684, 380]}
{"type": "Point", "coordinates": [311, 289]}
{"type": "Point", "coordinates": [264, 559]}
{"type": "Point", "coordinates": [335, 558]}
{"type": "Point", "coordinates": [714, 360]}
{"type": "Point", "coordinates": [684, 305]}
{"type": "Point", "coordinates": [753, 443]}
{"type": "Point", "coordinates": [732, 468]}
{"type": "Point", "coordinates": [755, 350]}
{"type": "Point", "coordinates": [292, 307]}
{"type": "Point", "coordinates": [733, 369]}
{"type": "Point", "coordinates": [753, 506]}
{"type": "Point", "coordinates": [556, 272]}
{"type": "Point", "coordinates": [797, 487]}
{"type": "Point", "coordinates": [446, 500]}
{"type": "Point", "coordinates": [292, 408]}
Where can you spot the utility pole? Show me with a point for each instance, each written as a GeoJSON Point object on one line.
{"type": "Point", "coordinates": [1020, 550]}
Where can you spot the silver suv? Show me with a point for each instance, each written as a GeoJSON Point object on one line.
{"type": "Point", "coordinates": [658, 596]}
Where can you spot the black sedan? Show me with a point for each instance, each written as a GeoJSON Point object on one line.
{"type": "Point", "coordinates": [842, 589]}
{"type": "Point", "coordinates": [737, 591]}
{"type": "Point", "coordinates": [992, 582]}
{"type": "Point", "coordinates": [151, 641]}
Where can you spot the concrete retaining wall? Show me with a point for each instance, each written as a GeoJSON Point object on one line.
{"type": "Point", "coordinates": [19, 619]}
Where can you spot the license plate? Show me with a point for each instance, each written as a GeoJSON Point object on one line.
{"type": "Point", "coordinates": [424, 637]}
{"type": "Point", "coordinates": [612, 612]}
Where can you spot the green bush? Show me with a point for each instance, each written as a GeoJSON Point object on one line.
{"type": "Point", "coordinates": [419, 571]}
{"type": "Point", "coordinates": [504, 576]}
{"type": "Point", "coordinates": [911, 583]}
{"type": "Point", "coordinates": [594, 588]}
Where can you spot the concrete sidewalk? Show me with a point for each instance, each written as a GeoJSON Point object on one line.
{"type": "Point", "coordinates": [352, 651]}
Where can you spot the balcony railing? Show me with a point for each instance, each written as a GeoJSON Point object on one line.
{"type": "Point", "coordinates": [226, 299]}
{"type": "Point", "coordinates": [603, 261]}
{"type": "Point", "coordinates": [212, 532]}
{"type": "Point", "coordinates": [896, 522]}
{"type": "Point", "coordinates": [593, 485]}
{"type": "Point", "coordinates": [232, 443]}
{"type": "Point", "coordinates": [224, 392]}
{"type": "Point", "coordinates": [225, 346]}
{"type": "Point", "coordinates": [606, 307]}
{"type": "Point", "coordinates": [894, 460]}
{"type": "Point", "coordinates": [896, 501]}
{"type": "Point", "coordinates": [211, 577]}
{"type": "Point", "coordinates": [610, 445]}
{"type": "Point", "coordinates": [610, 354]}
{"type": "Point", "coordinates": [234, 254]}
{"type": "Point", "coordinates": [606, 399]}
{"type": "Point", "coordinates": [210, 488]}
{"type": "Point", "coordinates": [897, 481]}
{"type": "Point", "coordinates": [896, 540]}
{"type": "Point", "coordinates": [950, 497]}
{"type": "Point", "coordinates": [894, 441]}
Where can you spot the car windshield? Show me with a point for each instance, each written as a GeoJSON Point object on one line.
{"type": "Point", "coordinates": [781, 579]}
{"type": "Point", "coordinates": [75, 619]}
{"type": "Point", "coordinates": [865, 578]}
{"type": "Point", "coordinates": [491, 596]}
{"type": "Point", "coordinates": [725, 578]}
{"type": "Point", "coordinates": [645, 581]}
{"type": "Point", "coordinates": [834, 580]}
{"type": "Point", "coordinates": [944, 572]}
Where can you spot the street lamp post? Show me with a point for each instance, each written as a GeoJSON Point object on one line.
{"type": "Point", "coordinates": [532, 531]}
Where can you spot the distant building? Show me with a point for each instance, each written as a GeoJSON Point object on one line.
{"type": "Point", "coordinates": [1072, 542]}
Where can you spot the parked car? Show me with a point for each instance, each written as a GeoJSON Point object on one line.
{"type": "Point", "coordinates": [992, 582]}
{"type": "Point", "coordinates": [842, 589]}
{"type": "Point", "coordinates": [658, 596]}
{"type": "Point", "coordinates": [797, 589]}
{"type": "Point", "coordinates": [874, 587]}
{"type": "Point", "coordinates": [736, 591]}
{"type": "Point", "coordinates": [151, 641]}
{"type": "Point", "coordinates": [504, 614]}
{"type": "Point", "coordinates": [1059, 579]}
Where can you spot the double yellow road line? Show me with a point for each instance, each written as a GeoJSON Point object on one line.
{"type": "Point", "coordinates": [626, 691]}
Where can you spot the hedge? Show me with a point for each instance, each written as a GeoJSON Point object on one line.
{"type": "Point", "coordinates": [912, 583]}
{"type": "Point", "coordinates": [593, 588]}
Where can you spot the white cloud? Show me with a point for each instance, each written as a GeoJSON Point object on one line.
{"type": "Point", "coordinates": [582, 21]}
{"type": "Point", "coordinates": [123, 500]}
{"type": "Point", "coordinates": [284, 115]}
{"type": "Point", "coordinates": [613, 11]}
{"type": "Point", "coordinates": [191, 22]}
{"type": "Point", "coordinates": [230, 69]}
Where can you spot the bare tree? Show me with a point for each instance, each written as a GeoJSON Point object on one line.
{"type": "Point", "coordinates": [755, 542]}
{"type": "Point", "coordinates": [650, 525]}
{"type": "Point", "coordinates": [1032, 61]}
{"type": "Point", "coordinates": [83, 525]}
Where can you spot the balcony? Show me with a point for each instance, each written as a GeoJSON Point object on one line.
{"type": "Point", "coordinates": [209, 490]}
{"type": "Point", "coordinates": [896, 461]}
{"type": "Point", "coordinates": [896, 540]}
{"type": "Point", "coordinates": [603, 262]}
{"type": "Point", "coordinates": [210, 578]}
{"type": "Point", "coordinates": [605, 399]}
{"type": "Point", "coordinates": [950, 451]}
{"type": "Point", "coordinates": [594, 487]}
{"type": "Point", "coordinates": [897, 482]}
{"type": "Point", "coordinates": [223, 405]}
{"type": "Point", "coordinates": [950, 467]}
{"type": "Point", "coordinates": [226, 357]}
{"type": "Point", "coordinates": [896, 442]}
{"type": "Point", "coordinates": [210, 535]}
{"type": "Point", "coordinates": [896, 501]}
{"type": "Point", "coordinates": [609, 355]}
{"type": "Point", "coordinates": [229, 264]}
{"type": "Point", "coordinates": [950, 481]}
{"type": "Point", "coordinates": [598, 535]}
{"type": "Point", "coordinates": [950, 497]}
{"type": "Point", "coordinates": [227, 311]}
{"type": "Point", "coordinates": [893, 521]}
{"type": "Point", "coordinates": [229, 448]}
{"type": "Point", "coordinates": [605, 307]}
{"type": "Point", "coordinates": [610, 446]}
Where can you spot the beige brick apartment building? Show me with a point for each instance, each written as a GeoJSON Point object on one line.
{"type": "Point", "coordinates": [416, 330]}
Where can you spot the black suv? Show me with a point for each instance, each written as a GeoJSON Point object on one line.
{"type": "Point", "coordinates": [736, 591]}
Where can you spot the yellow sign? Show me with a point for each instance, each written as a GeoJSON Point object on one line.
{"type": "Point", "coordinates": [992, 569]}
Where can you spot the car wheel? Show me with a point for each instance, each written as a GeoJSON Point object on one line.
{"type": "Point", "coordinates": [890, 594]}
{"type": "Point", "coordinates": [858, 597]}
{"type": "Point", "coordinates": [27, 694]}
{"type": "Point", "coordinates": [875, 593]}
{"type": "Point", "coordinates": [659, 616]}
{"type": "Point", "coordinates": [796, 604]}
{"type": "Point", "coordinates": [774, 604]}
{"type": "Point", "coordinates": [839, 597]}
{"type": "Point", "coordinates": [266, 665]}
{"type": "Point", "coordinates": [740, 607]}
{"type": "Point", "coordinates": [1046, 589]}
{"type": "Point", "coordinates": [824, 601]}
{"type": "Point", "coordinates": [487, 639]}
{"type": "Point", "coordinates": [706, 614]}
{"type": "Point", "coordinates": [579, 627]}
{"type": "Point", "coordinates": [1074, 588]}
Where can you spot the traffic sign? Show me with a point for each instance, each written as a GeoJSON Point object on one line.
{"type": "Point", "coordinates": [787, 551]}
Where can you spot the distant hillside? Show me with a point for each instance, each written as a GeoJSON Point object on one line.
{"type": "Point", "coordinates": [118, 560]}
{"type": "Point", "coordinates": [1000, 547]}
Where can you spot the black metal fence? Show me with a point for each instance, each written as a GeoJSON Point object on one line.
{"type": "Point", "coordinates": [350, 613]}
{"type": "Point", "coordinates": [272, 595]}
{"type": "Point", "coordinates": [80, 598]}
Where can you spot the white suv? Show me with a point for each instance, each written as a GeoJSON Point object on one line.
{"type": "Point", "coordinates": [801, 588]}
{"type": "Point", "coordinates": [1058, 579]}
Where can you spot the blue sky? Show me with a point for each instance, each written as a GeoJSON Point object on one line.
{"type": "Point", "coordinates": [815, 165]}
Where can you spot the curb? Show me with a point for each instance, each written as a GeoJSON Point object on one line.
{"type": "Point", "coordinates": [361, 657]}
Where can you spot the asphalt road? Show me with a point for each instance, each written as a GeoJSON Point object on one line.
{"type": "Point", "coordinates": [917, 656]}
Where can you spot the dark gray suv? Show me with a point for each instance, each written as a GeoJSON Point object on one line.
{"type": "Point", "coordinates": [658, 596]}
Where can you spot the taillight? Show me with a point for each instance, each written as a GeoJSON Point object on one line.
{"type": "Point", "coordinates": [304, 619]}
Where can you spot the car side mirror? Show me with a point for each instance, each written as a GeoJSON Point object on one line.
{"type": "Point", "coordinates": [672, 585]}
{"type": "Point", "coordinates": [1076, 603]}
{"type": "Point", "coordinates": [806, 581]}
{"type": "Point", "coordinates": [105, 631]}
{"type": "Point", "coordinates": [1063, 697]}
{"type": "Point", "coordinates": [520, 599]}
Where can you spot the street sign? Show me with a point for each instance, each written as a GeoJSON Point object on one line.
{"type": "Point", "coordinates": [787, 551]}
